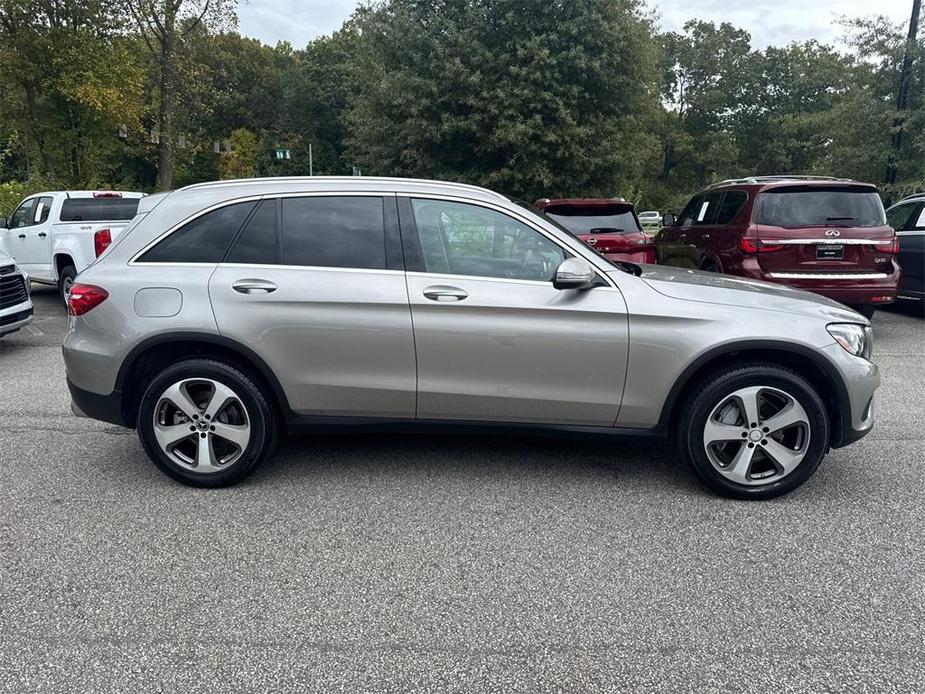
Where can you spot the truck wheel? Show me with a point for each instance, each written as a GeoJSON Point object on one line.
{"type": "Point", "coordinates": [754, 430]}
{"type": "Point", "coordinates": [66, 281]}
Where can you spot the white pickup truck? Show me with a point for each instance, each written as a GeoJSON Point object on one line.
{"type": "Point", "coordinates": [55, 235]}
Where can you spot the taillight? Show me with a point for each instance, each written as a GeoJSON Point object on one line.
{"type": "Point", "coordinates": [747, 245]}
{"type": "Point", "coordinates": [101, 241]}
{"type": "Point", "coordinates": [890, 246]}
{"type": "Point", "coordinates": [85, 297]}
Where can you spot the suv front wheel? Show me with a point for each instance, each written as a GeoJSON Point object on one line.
{"type": "Point", "coordinates": [754, 431]}
{"type": "Point", "coordinates": [206, 423]}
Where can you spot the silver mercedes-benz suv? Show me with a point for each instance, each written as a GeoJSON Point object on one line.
{"type": "Point", "coordinates": [230, 312]}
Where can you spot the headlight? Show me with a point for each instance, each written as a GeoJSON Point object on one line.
{"type": "Point", "coordinates": [854, 339]}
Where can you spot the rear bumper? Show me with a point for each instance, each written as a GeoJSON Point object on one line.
{"type": "Point", "coordinates": [106, 408]}
{"type": "Point", "coordinates": [646, 256]}
{"type": "Point", "coordinates": [852, 288]}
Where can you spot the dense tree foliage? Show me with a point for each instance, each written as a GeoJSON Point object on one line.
{"type": "Point", "coordinates": [568, 98]}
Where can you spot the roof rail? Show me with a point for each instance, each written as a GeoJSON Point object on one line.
{"type": "Point", "coordinates": [335, 179]}
{"type": "Point", "coordinates": [913, 196]}
{"type": "Point", "coordinates": [775, 179]}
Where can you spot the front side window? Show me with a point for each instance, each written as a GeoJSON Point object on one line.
{"type": "Point", "coordinates": [23, 215]}
{"type": "Point", "coordinates": [462, 239]}
{"type": "Point", "coordinates": [204, 239]}
{"type": "Point", "coordinates": [691, 210]}
{"type": "Point", "coordinates": [792, 208]}
{"type": "Point", "coordinates": [903, 217]}
{"type": "Point", "coordinates": [346, 231]}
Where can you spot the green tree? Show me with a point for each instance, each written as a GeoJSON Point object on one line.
{"type": "Point", "coordinates": [546, 102]}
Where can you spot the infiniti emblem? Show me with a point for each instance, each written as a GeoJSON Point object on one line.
{"type": "Point", "coordinates": [833, 232]}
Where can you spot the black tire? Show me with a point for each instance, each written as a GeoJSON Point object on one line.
{"type": "Point", "coordinates": [258, 411]}
{"type": "Point", "coordinates": [710, 392]}
{"type": "Point", "coordinates": [866, 310]}
{"type": "Point", "coordinates": [65, 280]}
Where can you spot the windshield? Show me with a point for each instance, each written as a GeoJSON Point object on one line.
{"type": "Point", "coordinates": [581, 220]}
{"type": "Point", "coordinates": [804, 207]}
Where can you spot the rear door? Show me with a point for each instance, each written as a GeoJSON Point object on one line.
{"type": "Point", "coordinates": [821, 229]}
{"type": "Point", "coordinates": [672, 241]}
{"type": "Point", "coordinates": [909, 221]}
{"type": "Point", "coordinates": [314, 285]}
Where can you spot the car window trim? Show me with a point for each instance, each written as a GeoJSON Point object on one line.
{"type": "Point", "coordinates": [249, 198]}
{"type": "Point", "coordinates": [410, 234]}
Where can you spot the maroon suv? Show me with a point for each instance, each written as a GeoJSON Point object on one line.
{"type": "Point", "coordinates": [824, 235]}
{"type": "Point", "coordinates": [609, 225]}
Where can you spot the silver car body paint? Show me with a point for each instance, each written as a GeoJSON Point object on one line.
{"type": "Point", "coordinates": [366, 342]}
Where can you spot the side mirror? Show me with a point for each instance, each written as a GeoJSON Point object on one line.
{"type": "Point", "coordinates": [2, 222]}
{"type": "Point", "coordinates": [668, 220]}
{"type": "Point", "coordinates": [574, 273]}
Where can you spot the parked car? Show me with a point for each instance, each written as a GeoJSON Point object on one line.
{"type": "Point", "coordinates": [826, 235]}
{"type": "Point", "coordinates": [650, 219]}
{"type": "Point", "coordinates": [231, 311]}
{"type": "Point", "coordinates": [608, 225]}
{"type": "Point", "coordinates": [907, 217]}
{"type": "Point", "coordinates": [15, 301]}
{"type": "Point", "coordinates": [55, 235]}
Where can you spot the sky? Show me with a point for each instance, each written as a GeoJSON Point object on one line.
{"type": "Point", "coordinates": [770, 22]}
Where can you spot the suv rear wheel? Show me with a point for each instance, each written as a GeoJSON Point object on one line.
{"type": "Point", "coordinates": [754, 431]}
{"type": "Point", "coordinates": [206, 423]}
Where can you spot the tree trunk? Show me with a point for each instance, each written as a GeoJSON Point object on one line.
{"type": "Point", "coordinates": [48, 165]}
{"type": "Point", "coordinates": [165, 112]}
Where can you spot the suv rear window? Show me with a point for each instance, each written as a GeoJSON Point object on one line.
{"type": "Point", "coordinates": [98, 209]}
{"type": "Point", "coordinates": [806, 206]}
{"type": "Point", "coordinates": [581, 219]}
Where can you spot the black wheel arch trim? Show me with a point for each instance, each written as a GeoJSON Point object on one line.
{"type": "Point", "coordinates": [840, 429]}
{"type": "Point", "coordinates": [245, 352]}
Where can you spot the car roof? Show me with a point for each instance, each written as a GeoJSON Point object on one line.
{"type": "Point", "coordinates": [371, 184]}
{"type": "Point", "coordinates": [777, 181]}
{"type": "Point", "coordinates": [582, 202]}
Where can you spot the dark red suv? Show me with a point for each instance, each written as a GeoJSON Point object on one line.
{"type": "Point", "coordinates": [825, 235]}
{"type": "Point", "coordinates": [609, 225]}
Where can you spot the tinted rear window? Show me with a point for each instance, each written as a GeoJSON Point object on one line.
{"type": "Point", "coordinates": [581, 220]}
{"type": "Point", "coordinates": [203, 240]}
{"type": "Point", "coordinates": [802, 207]}
{"type": "Point", "coordinates": [334, 232]}
{"type": "Point", "coordinates": [98, 209]}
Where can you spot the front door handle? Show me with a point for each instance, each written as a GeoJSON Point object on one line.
{"type": "Point", "coordinates": [42, 234]}
{"type": "Point", "coordinates": [22, 236]}
{"type": "Point", "coordinates": [250, 286]}
{"type": "Point", "coordinates": [445, 293]}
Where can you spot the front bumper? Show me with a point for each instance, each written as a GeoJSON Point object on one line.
{"type": "Point", "coordinates": [15, 317]}
{"type": "Point", "coordinates": [860, 379]}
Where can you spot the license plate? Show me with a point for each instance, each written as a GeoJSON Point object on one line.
{"type": "Point", "coordinates": [830, 252]}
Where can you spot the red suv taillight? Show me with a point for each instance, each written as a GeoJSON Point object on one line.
{"type": "Point", "coordinates": [891, 246]}
{"type": "Point", "coordinates": [101, 241]}
{"type": "Point", "coordinates": [85, 297]}
{"type": "Point", "coordinates": [747, 245]}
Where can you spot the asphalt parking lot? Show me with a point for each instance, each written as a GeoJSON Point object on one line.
{"type": "Point", "coordinates": [400, 563]}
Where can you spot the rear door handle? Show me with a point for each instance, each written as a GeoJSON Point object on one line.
{"type": "Point", "coordinates": [250, 286]}
{"type": "Point", "coordinates": [445, 293]}
{"type": "Point", "coordinates": [22, 236]}
{"type": "Point", "coordinates": [42, 234]}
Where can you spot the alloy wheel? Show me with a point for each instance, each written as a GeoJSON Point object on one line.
{"type": "Point", "coordinates": [757, 435]}
{"type": "Point", "coordinates": [201, 425]}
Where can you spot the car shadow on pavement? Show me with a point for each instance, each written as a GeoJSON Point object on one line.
{"type": "Point", "coordinates": [427, 455]}
{"type": "Point", "coordinates": [904, 307]}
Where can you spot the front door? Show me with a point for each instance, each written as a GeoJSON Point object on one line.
{"type": "Point", "coordinates": [495, 341]}
{"type": "Point", "coordinates": [315, 288]}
